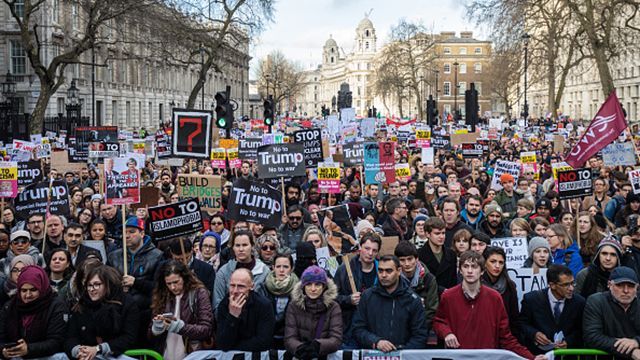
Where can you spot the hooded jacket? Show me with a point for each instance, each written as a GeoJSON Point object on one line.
{"type": "Point", "coordinates": [501, 231]}
{"type": "Point", "coordinates": [302, 320]}
{"type": "Point", "coordinates": [569, 257]}
{"type": "Point", "coordinates": [475, 225]}
{"type": "Point", "coordinates": [397, 317]}
{"type": "Point", "coordinates": [593, 278]}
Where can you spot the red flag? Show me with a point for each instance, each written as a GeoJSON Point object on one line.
{"type": "Point", "coordinates": [603, 130]}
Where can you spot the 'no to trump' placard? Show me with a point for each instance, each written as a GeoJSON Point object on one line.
{"type": "Point", "coordinates": [281, 160]}
{"type": "Point", "coordinates": [255, 202]}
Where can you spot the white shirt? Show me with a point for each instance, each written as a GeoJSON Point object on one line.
{"type": "Point", "coordinates": [553, 300]}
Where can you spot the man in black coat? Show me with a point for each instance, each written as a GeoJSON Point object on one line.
{"type": "Point", "coordinates": [204, 272]}
{"type": "Point", "coordinates": [245, 318]}
{"type": "Point", "coordinates": [549, 311]}
{"type": "Point", "coordinates": [439, 259]}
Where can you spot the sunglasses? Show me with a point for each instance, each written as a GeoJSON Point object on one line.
{"type": "Point", "coordinates": [20, 241]}
{"type": "Point", "coordinates": [268, 247]}
{"type": "Point", "coordinates": [217, 223]}
{"type": "Point", "coordinates": [295, 217]}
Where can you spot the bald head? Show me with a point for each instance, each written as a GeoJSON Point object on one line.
{"type": "Point", "coordinates": [240, 283]}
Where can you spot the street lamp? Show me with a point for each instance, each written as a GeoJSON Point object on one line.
{"type": "Point", "coordinates": [421, 92]}
{"type": "Point", "coordinates": [73, 106]}
{"type": "Point", "coordinates": [525, 113]}
{"type": "Point", "coordinates": [455, 99]}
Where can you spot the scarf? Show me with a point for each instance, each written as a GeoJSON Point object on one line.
{"type": "Point", "coordinates": [596, 277]}
{"type": "Point", "coordinates": [280, 287]}
{"type": "Point", "coordinates": [315, 306]}
{"type": "Point", "coordinates": [417, 275]}
{"type": "Point", "coordinates": [107, 315]}
{"type": "Point", "coordinates": [500, 285]}
{"type": "Point", "coordinates": [249, 266]}
{"type": "Point", "coordinates": [29, 320]}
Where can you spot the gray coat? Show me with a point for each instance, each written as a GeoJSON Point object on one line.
{"type": "Point", "coordinates": [221, 286]}
{"type": "Point", "coordinates": [605, 321]}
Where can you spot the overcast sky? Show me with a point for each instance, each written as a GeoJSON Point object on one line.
{"type": "Point", "coordinates": [301, 27]}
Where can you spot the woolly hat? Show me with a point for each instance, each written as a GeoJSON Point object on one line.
{"type": "Point", "coordinates": [420, 218]}
{"type": "Point", "coordinates": [493, 207]}
{"type": "Point", "coordinates": [214, 235]}
{"type": "Point", "coordinates": [537, 242]}
{"type": "Point", "coordinates": [363, 225]}
{"type": "Point", "coordinates": [313, 274]}
{"type": "Point", "coordinates": [506, 178]}
{"type": "Point", "coordinates": [543, 203]}
{"type": "Point", "coordinates": [609, 241]}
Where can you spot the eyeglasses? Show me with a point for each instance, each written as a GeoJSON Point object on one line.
{"type": "Point", "coordinates": [20, 241]}
{"type": "Point", "coordinates": [33, 222]}
{"type": "Point", "coordinates": [217, 223]}
{"type": "Point", "coordinates": [208, 246]}
{"type": "Point", "coordinates": [16, 270]}
{"type": "Point", "coordinates": [295, 218]}
{"type": "Point", "coordinates": [94, 286]}
{"type": "Point", "coordinates": [268, 248]}
{"type": "Point", "coordinates": [566, 285]}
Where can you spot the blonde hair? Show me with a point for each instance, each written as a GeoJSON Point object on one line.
{"type": "Point", "coordinates": [311, 230]}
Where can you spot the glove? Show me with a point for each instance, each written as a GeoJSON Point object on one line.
{"type": "Point", "coordinates": [158, 327]}
{"type": "Point", "coordinates": [175, 326]}
{"type": "Point", "coordinates": [304, 351]}
{"type": "Point", "coordinates": [315, 349]}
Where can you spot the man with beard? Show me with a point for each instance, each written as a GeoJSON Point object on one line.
{"type": "Point", "coordinates": [35, 225]}
{"type": "Point", "coordinates": [450, 210]}
{"type": "Point", "coordinates": [73, 237]}
{"type": "Point", "coordinates": [390, 316]}
{"type": "Point", "coordinates": [291, 232]}
{"type": "Point", "coordinates": [472, 214]}
{"type": "Point", "coordinates": [112, 217]}
{"type": "Point", "coordinates": [396, 223]}
{"type": "Point", "coordinates": [493, 224]}
{"type": "Point", "coordinates": [85, 181]}
{"type": "Point", "coordinates": [166, 187]}
{"type": "Point", "coordinates": [293, 196]}
{"type": "Point", "coordinates": [354, 197]}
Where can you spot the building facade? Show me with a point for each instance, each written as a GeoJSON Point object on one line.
{"type": "Point", "coordinates": [131, 93]}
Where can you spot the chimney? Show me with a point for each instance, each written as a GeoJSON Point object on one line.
{"type": "Point", "coordinates": [447, 34]}
{"type": "Point", "coordinates": [466, 34]}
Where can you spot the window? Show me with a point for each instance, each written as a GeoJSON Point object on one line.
{"type": "Point", "coordinates": [447, 88]}
{"type": "Point", "coordinates": [478, 51]}
{"type": "Point", "coordinates": [332, 59]}
{"type": "Point", "coordinates": [74, 16]}
{"type": "Point", "coordinates": [462, 87]}
{"type": "Point", "coordinates": [463, 51]}
{"type": "Point", "coordinates": [55, 9]}
{"type": "Point", "coordinates": [447, 68]}
{"type": "Point", "coordinates": [366, 45]}
{"type": "Point", "coordinates": [447, 50]}
{"type": "Point", "coordinates": [463, 68]}
{"type": "Point", "coordinates": [18, 7]}
{"type": "Point", "coordinates": [18, 58]}
{"type": "Point", "coordinates": [477, 68]}
{"type": "Point", "coordinates": [479, 88]}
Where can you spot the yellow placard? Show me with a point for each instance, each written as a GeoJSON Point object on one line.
{"type": "Point", "coordinates": [232, 154]}
{"type": "Point", "coordinates": [228, 143]}
{"type": "Point", "coordinates": [218, 154]}
{"type": "Point", "coordinates": [403, 172]}
{"type": "Point", "coordinates": [9, 173]}
{"type": "Point", "coordinates": [423, 134]}
{"type": "Point", "coordinates": [528, 157]}
{"type": "Point", "coordinates": [328, 173]}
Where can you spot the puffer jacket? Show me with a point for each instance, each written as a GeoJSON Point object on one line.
{"type": "Point", "coordinates": [397, 317]}
{"type": "Point", "coordinates": [141, 265]}
{"type": "Point", "coordinates": [221, 285]}
{"type": "Point", "coordinates": [5, 263]}
{"type": "Point", "coordinates": [301, 321]}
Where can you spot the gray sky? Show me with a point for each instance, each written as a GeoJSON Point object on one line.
{"type": "Point", "coordinates": [301, 27]}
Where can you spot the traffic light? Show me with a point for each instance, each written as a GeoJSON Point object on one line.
{"type": "Point", "coordinates": [224, 111]}
{"type": "Point", "coordinates": [471, 107]}
{"type": "Point", "coordinates": [431, 111]}
{"type": "Point", "coordinates": [268, 111]}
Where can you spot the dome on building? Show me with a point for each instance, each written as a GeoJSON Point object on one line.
{"type": "Point", "coordinates": [330, 42]}
{"type": "Point", "coordinates": [365, 24]}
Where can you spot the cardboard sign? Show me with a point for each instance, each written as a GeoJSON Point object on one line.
{"type": "Point", "coordinates": [29, 172]}
{"type": "Point", "coordinates": [558, 143]}
{"type": "Point", "coordinates": [35, 197]}
{"type": "Point", "coordinates": [353, 154]}
{"type": "Point", "coordinates": [504, 167]}
{"type": "Point", "coordinates": [403, 172]}
{"type": "Point", "coordinates": [462, 138]}
{"type": "Point", "coordinates": [8, 179]}
{"type": "Point", "coordinates": [248, 148]}
{"type": "Point", "coordinates": [191, 133]}
{"type": "Point", "coordinates": [526, 281]}
{"type": "Point", "coordinates": [389, 244]}
{"type": "Point", "coordinates": [619, 154]}
{"type": "Point", "coordinates": [280, 160]}
{"type": "Point", "coordinates": [312, 141]}
{"type": "Point", "coordinates": [255, 202]}
{"type": "Point", "coordinates": [379, 162]}
{"type": "Point", "coordinates": [122, 181]}
{"type": "Point", "coordinates": [515, 249]}
{"type": "Point", "coordinates": [175, 220]}
{"type": "Point", "coordinates": [149, 197]}
{"type": "Point", "coordinates": [206, 188]}
{"type": "Point", "coordinates": [60, 160]}
{"type": "Point", "coordinates": [575, 183]}
{"type": "Point", "coordinates": [472, 150]}
{"type": "Point", "coordinates": [329, 178]}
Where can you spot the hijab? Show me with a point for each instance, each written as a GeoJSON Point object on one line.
{"type": "Point", "coordinates": [31, 317]}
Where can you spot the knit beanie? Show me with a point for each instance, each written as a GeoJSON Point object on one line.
{"type": "Point", "coordinates": [609, 241]}
{"type": "Point", "coordinates": [493, 207]}
{"type": "Point", "coordinates": [537, 242]}
{"type": "Point", "coordinates": [313, 274]}
{"type": "Point", "coordinates": [214, 235]}
{"type": "Point", "coordinates": [420, 218]}
{"type": "Point", "coordinates": [363, 225]}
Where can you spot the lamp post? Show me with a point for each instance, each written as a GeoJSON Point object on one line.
{"type": "Point", "coordinates": [73, 106]}
{"type": "Point", "coordinates": [205, 74]}
{"type": "Point", "coordinates": [421, 93]}
{"type": "Point", "coordinates": [455, 98]}
{"type": "Point", "coordinates": [525, 113]}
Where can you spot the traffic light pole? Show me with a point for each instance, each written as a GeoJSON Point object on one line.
{"type": "Point", "coordinates": [227, 130]}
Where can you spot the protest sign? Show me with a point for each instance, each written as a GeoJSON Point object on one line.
{"type": "Point", "coordinates": [234, 159]}
{"type": "Point", "coordinates": [175, 220]}
{"type": "Point", "coordinates": [248, 148]}
{"type": "Point", "coordinates": [312, 142]}
{"type": "Point", "coordinates": [163, 144]}
{"type": "Point", "coordinates": [515, 249]}
{"type": "Point", "coordinates": [619, 154]}
{"type": "Point", "coordinates": [353, 154]}
{"type": "Point", "coordinates": [403, 172]}
{"type": "Point", "coordinates": [428, 156]}
{"type": "Point", "coordinates": [122, 181]}
{"type": "Point", "coordinates": [329, 178]}
{"type": "Point", "coordinates": [43, 149]}
{"type": "Point", "coordinates": [60, 160]}
{"type": "Point", "coordinates": [206, 188]}
{"type": "Point", "coordinates": [149, 197]}
{"type": "Point", "coordinates": [326, 261]}
{"type": "Point", "coordinates": [441, 142]}
{"type": "Point", "coordinates": [464, 138]}
{"type": "Point", "coordinates": [634, 179]}
{"type": "Point", "coordinates": [255, 202]}
{"type": "Point", "coordinates": [8, 179]}
{"type": "Point", "coordinates": [347, 115]}
{"type": "Point", "coordinates": [423, 138]}
{"type": "Point", "coordinates": [389, 244]}
{"type": "Point", "coordinates": [228, 143]}
{"type": "Point", "coordinates": [472, 150]}
{"type": "Point", "coordinates": [368, 128]}
{"type": "Point", "coordinates": [101, 150]}
{"type": "Point", "coordinates": [558, 144]}
{"type": "Point", "coordinates": [29, 172]}
{"type": "Point", "coordinates": [575, 183]}
{"type": "Point", "coordinates": [84, 135]}
{"type": "Point", "coordinates": [504, 167]}
{"type": "Point", "coordinates": [35, 197]}
{"type": "Point", "coordinates": [528, 157]}
{"type": "Point", "coordinates": [526, 281]}
{"type": "Point", "coordinates": [379, 162]}
{"type": "Point", "coordinates": [218, 158]}
{"type": "Point", "coordinates": [280, 160]}
{"type": "Point", "coordinates": [191, 133]}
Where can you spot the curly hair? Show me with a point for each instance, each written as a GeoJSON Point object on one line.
{"type": "Point", "coordinates": [162, 294]}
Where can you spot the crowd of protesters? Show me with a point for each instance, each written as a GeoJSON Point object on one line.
{"type": "Point", "coordinates": [243, 286]}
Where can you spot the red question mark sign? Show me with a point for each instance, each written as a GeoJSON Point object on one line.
{"type": "Point", "coordinates": [198, 123]}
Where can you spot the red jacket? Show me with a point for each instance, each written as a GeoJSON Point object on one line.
{"type": "Point", "coordinates": [481, 323]}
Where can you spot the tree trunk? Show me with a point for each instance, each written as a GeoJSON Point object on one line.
{"type": "Point", "coordinates": [36, 121]}
{"type": "Point", "coordinates": [195, 92]}
{"type": "Point", "coordinates": [606, 80]}
{"type": "Point", "coordinates": [400, 104]}
{"type": "Point", "coordinates": [551, 75]}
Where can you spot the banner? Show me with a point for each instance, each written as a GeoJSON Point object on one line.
{"type": "Point", "coordinates": [353, 154]}
{"type": "Point", "coordinates": [33, 199]}
{"type": "Point", "coordinates": [101, 150]}
{"type": "Point", "coordinates": [312, 141]}
{"type": "Point", "coordinates": [175, 220]}
{"type": "Point", "coordinates": [403, 172]}
{"type": "Point", "coordinates": [472, 150]}
{"type": "Point", "coordinates": [84, 135]}
{"type": "Point", "coordinates": [515, 249]}
{"type": "Point", "coordinates": [29, 172]}
{"type": "Point", "coordinates": [281, 160]}
{"type": "Point", "coordinates": [575, 183]}
{"type": "Point", "coordinates": [191, 133]}
{"type": "Point", "coordinates": [8, 179]}
{"type": "Point", "coordinates": [218, 158]}
{"type": "Point", "coordinates": [504, 167]}
{"type": "Point", "coordinates": [619, 154]}
{"type": "Point", "coordinates": [603, 130]}
{"type": "Point", "coordinates": [248, 148]}
{"type": "Point", "coordinates": [255, 202]}
{"type": "Point", "coordinates": [206, 188]}
{"type": "Point", "coordinates": [122, 181]}
{"type": "Point", "coordinates": [634, 179]}
{"type": "Point", "coordinates": [379, 162]}
{"type": "Point", "coordinates": [329, 178]}
{"type": "Point", "coordinates": [526, 281]}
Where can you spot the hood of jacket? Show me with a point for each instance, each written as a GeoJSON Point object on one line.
{"type": "Point", "coordinates": [465, 217]}
{"type": "Point", "coordinates": [330, 294]}
{"type": "Point", "coordinates": [31, 251]}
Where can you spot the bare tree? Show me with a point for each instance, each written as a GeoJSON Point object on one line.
{"type": "Point", "coordinates": [279, 77]}
{"type": "Point", "coordinates": [503, 75]}
{"type": "Point", "coordinates": [389, 81]}
{"type": "Point", "coordinates": [91, 16]}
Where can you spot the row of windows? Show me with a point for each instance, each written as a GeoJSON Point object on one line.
{"type": "Point", "coordinates": [462, 51]}
{"type": "Point", "coordinates": [462, 68]}
{"type": "Point", "coordinates": [462, 87]}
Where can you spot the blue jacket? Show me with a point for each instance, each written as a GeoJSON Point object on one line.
{"type": "Point", "coordinates": [397, 317]}
{"type": "Point", "coordinates": [570, 258]}
{"type": "Point", "coordinates": [473, 225]}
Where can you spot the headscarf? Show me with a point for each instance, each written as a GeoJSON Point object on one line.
{"type": "Point", "coordinates": [10, 285]}
{"type": "Point", "coordinates": [31, 317]}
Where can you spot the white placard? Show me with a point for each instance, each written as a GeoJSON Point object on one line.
{"type": "Point", "coordinates": [515, 248]}
{"type": "Point", "coordinates": [526, 281]}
